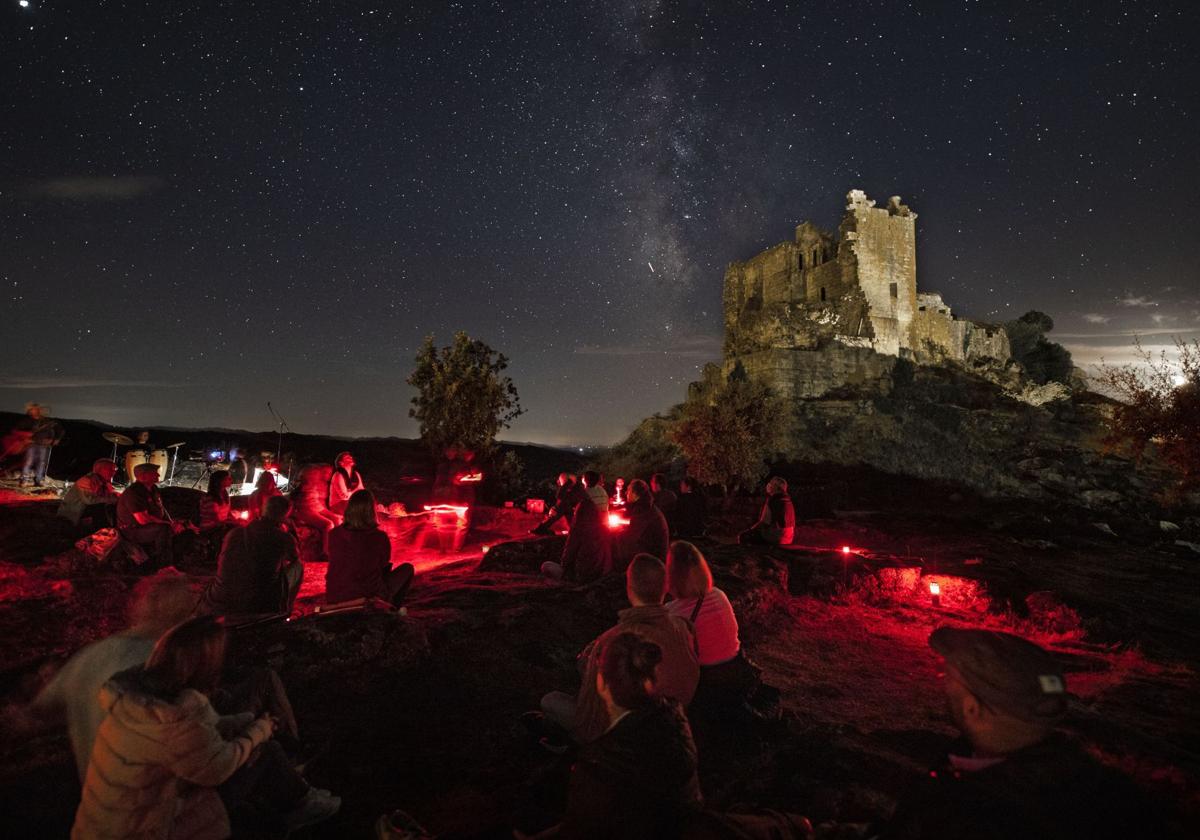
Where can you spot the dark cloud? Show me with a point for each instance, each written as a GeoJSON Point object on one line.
{"type": "Point", "coordinates": [98, 187]}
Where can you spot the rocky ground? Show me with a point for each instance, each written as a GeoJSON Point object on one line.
{"type": "Point", "coordinates": [421, 711]}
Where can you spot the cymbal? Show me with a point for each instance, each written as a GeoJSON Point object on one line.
{"type": "Point", "coordinates": [117, 438]}
{"type": "Point", "coordinates": [175, 445]}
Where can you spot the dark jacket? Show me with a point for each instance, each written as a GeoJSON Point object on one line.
{"type": "Point", "coordinates": [646, 532]}
{"type": "Point", "coordinates": [777, 522]}
{"type": "Point", "coordinates": [691, 512]}
{"type": "Point", "coordinates": [638, 780]}
{"type": "Point", "coordinates": [1049, 790]}
{"type": "Point", "coordinates": [358, 561]}
{"type": "Point", "coordinates": [587, 554]}
{"type": "Point", "coordinates": [250, 570]}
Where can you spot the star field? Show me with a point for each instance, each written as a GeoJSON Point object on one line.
{"type": "Point", "coordinates": [207, 206]}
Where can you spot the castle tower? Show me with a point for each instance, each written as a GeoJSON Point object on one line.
{"type": "Point", "coordinates": [884, 244]}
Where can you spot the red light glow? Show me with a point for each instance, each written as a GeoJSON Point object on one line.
{"type": "Point", "coordinates": [486, 549]}
{"type": "Point", "coordinates": [615, 520]}
{"type": "Point", "coordinates": [935, 588]}
{"type": "Point", "coordinates": [242, 514]}
{"type": "Point", "coordinates": [469, 478]}
{"type": "Point", "coordinates": [459, 510]}
{"type": "Point", "coordinates": [845, 549]}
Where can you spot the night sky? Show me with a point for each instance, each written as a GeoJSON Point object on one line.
{"type": "Point", "coordinates": [205, 206]}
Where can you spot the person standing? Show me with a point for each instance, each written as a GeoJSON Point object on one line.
{"type": "Point", "coordinates": [44, 433]}
{"type": "Point", "coordinates": [159, 603]}
{"type": "Point", "coordinates": [142, 519]}
{"type": "Point", "coordinates": [344, 483]}
{"type": "Point", "coordinates": [360, 557]}
{"type": "Point", "coordinates": [92, 498]}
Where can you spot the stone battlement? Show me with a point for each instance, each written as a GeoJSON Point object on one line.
{"type": "Point", "coordinates": [792, 310]}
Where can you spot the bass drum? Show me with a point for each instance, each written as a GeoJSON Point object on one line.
{"type": "Point", "coordinates": [132, 458]}
{"type": "Point", "coordinates": [162, 457]}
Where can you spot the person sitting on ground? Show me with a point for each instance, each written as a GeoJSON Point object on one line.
{"type": "Point", "coordinates": [344, 482]}
{"type": "Point", "coordinates": [647, 531]}
{"type": "Point", "coordinates": [159, 603]}
{"type": "Point", "coordinates": [1014, 775]}
{"type": "Point", "coordinates": [259, 570]}
{"type": "Point", "coordinates": [638, 778]}
{"type": "Point", "coordinates": [664, 497]}
{"type": "Point", "coordinates": [566, 499]}
{"type": "Point", "coordinates": [726, 678]}
{"type": "Point", "coordinates": [265, 488]}
{"type": "Point", "coordinates": [360, 557]}
{"type": "Point", "coordinates": [587, 554]}
{"type": "Point", "coordinates": [691, 510]}
{"type": "Point", "coordinates": [776, 523]}
{"type": "Point", "coordinates": [593, 485]}
{"type": "Point", "coordinates": [216, 508]}
{"type": "Point", "coordinates": [91, 502]}
{"type": "Point", "coordinates": [585, 717]}
{"type": "Point", "coordinates": [309, 503]}
{"type": "Point", "coordinates": [142, 519]}
{"type": "Point", "coordinates": [165, 765]}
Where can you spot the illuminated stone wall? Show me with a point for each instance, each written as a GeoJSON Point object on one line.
{"type": "Point", "coordinates": [800, 314]}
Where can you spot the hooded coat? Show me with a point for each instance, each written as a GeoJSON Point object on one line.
{"type": "Point", "coordinates": [156, 763]}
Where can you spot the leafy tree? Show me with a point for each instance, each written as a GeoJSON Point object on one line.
{"type": "Point", "coordinates": [728, 431]}
{"type": "Point", "coordinates": [463, 399]}
{"type": "Point", "coordinates": [1160, 404]}
{"type": "Point", "coordinates": [1043, 360]}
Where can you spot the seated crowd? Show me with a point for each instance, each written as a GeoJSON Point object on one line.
{"type": "Point", "coordinates": [181, 744]}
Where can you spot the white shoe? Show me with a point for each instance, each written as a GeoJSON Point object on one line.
{"type": "Point", "coordinates": [317, 805]}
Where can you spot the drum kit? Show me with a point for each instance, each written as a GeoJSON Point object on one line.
{"type": "Point", "coordinates": [164, 458]}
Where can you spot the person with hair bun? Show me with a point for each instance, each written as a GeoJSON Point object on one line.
{"type": "Point", "coordinates": [638, 779]}
{"type": "Point", "coordinates": [584, 715]}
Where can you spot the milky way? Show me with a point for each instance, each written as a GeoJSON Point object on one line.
{"type": "Point", "coordinates": [206, 206]}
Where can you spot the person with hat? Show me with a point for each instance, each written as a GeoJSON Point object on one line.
{"type": "Point", "coordinates": [43, 434]}
{"type": "Point", "coordinates": [142, 519]}
{"type": "Point", "coordinates": [1014, 775]}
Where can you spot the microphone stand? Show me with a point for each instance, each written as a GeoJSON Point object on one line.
{"type": "Point", "coordinates": [279, 444]}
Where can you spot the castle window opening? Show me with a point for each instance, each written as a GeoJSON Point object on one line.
{"type": "Point", "coordinates": [894, 290]}
{"type": "Point", "coordinates": [822, 293]}
{"type": "Point", "coordinates": [816, 256]}
{"type": "Point", "coordinates": [920, 308]}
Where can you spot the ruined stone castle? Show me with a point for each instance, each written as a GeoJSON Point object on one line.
{"type": "Point", "coordinates": [819, 313]}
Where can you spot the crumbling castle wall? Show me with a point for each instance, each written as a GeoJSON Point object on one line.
{"type": "Point", "coordinates": [805, 315]}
